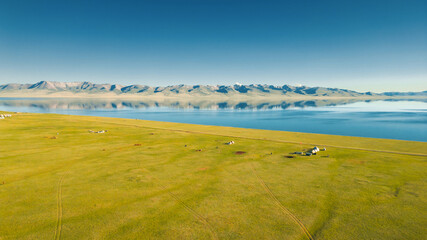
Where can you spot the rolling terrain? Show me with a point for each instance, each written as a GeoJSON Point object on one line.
{"type": "Point", "coordinates": [159, 180]}
{"type": "Point", "coordinates": [87, 89]}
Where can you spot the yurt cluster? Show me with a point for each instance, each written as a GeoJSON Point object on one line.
{"type": "Point", "coordinates": [310, 152]}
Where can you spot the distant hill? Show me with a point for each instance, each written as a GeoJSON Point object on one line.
{"type": "Point", "coordinates": [423, 93]}
{"type": "Point", "coordinates": [253, 90]}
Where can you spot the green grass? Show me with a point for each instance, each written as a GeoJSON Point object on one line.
{"type": "Point", "coordinates": [112, 189]}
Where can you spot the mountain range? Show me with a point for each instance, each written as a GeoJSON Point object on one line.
{"type": "Point", "coordinates": [253, 90]}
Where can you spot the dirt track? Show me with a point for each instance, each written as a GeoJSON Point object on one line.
{"type": "Point", "coordinates": [59, 213]}
{"type": "Point", "coordinates": [199, 217]}
{"type": "Point", "coordinates": [283, 208]}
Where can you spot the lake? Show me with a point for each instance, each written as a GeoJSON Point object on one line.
{"type": "Point", "coordinates": [405, 120]}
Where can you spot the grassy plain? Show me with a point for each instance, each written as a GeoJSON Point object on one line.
{"type": "Point", "coordinates": [158, 180]}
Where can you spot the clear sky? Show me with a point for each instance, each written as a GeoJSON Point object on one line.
{"type": "Point", "coordinates": [378, 45]}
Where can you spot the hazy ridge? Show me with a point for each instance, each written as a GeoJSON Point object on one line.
{"type": "Point", "coordinates": [253, 90]}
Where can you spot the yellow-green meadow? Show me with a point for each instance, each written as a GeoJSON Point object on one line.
{"type": "Point", "coordinates": [60, 179]}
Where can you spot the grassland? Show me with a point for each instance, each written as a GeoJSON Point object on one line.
{"type": "Point", "coordinates": [157, 180]}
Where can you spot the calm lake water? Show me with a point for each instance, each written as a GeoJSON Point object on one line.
{"type": "Point", "coordinates": [406, 120]}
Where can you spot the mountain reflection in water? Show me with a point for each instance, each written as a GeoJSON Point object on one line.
{"type": "Point", "coordinates": [90, 104]}
{"type": "Point", "coordinates": [406, 120]}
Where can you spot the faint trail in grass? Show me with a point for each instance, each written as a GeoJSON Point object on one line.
{"type": "Point", "coordinates": [67, 164]}
{"type": "Point", "coordinates": [188, 208]}
{"type": "Point", "coordinates": [194, 213]}
{"type": "Point", "coordinates": [329, 214]}
{"type": "Point", "coordinates": [283, 208]}
{"type": "Point", "coordinates": [330, 201]}
{"type": "Point", "coordinates": [264, 139]}
{"type": "Point", "coordinates": [58, 229]}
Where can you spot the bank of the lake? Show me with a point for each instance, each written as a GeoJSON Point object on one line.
{"type": "Point", "coordinates": [404, 120]}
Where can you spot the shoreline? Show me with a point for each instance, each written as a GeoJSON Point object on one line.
{"type": "Point", "coordinates": [184, 127]}
{"type": "Point", "coordinates": [82, 107]}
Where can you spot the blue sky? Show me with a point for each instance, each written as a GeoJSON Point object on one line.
{"type": "Point", "coordinates": [360, 45]}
